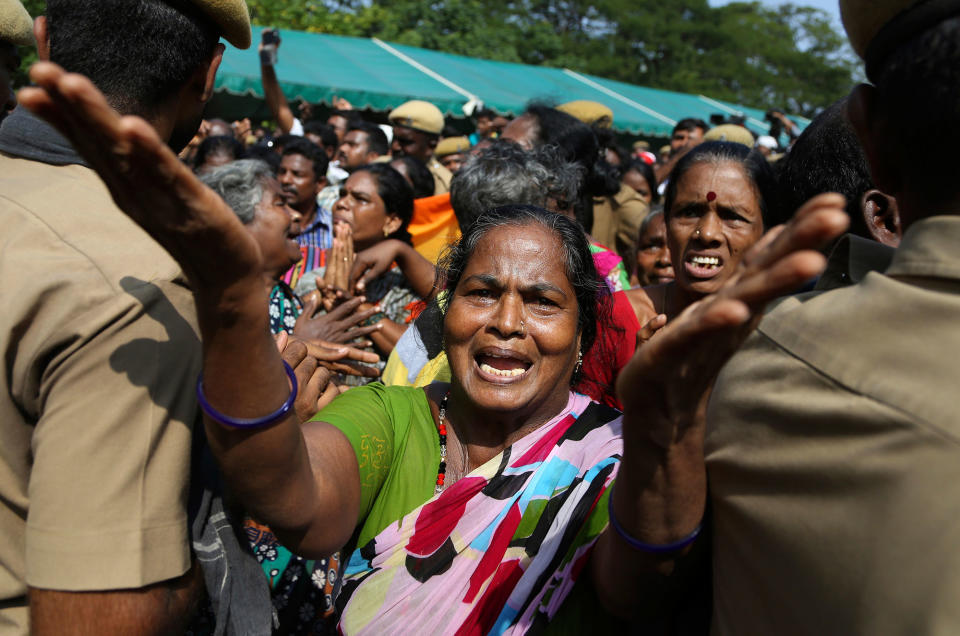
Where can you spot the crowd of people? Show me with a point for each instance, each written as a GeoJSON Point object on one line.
{"type": "Point", "coordinates": [339, 376]}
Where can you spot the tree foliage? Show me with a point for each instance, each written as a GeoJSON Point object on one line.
{"type": "Point", "coordinates": [788, 57]}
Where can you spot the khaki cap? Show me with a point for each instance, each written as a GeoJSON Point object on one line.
{"type": "Point", "coordinates": [452, 145]}
{"type": "Point", "coordinates": [877, 27]}
{"type": "Point", "coordinates": [16, 27]}
{"type": "Point", "coordinates": [419, 115]}
{"type": "Point", "coordinates": [732, 133]}
{"type": "Point", "coordinates": [590, 113]}
{"type": "Point", "coordinates": [641, 145]}
{"type": "Point", "coordinates": [233, 18]}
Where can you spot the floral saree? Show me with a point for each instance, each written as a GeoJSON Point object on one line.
{"type": "Point", "coordinates": [500, 549]}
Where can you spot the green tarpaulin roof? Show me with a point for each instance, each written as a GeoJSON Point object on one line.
{"type": "Point", "coordinates": [372, 74]}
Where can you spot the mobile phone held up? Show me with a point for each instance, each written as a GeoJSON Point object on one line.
{"type": "Point", "coordinates": [269, 39]}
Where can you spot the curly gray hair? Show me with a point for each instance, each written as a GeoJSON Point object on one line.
{"type": "Point", "coordinates": [240, 184]}
{"type": "Point", "coordinates": [505, 174]}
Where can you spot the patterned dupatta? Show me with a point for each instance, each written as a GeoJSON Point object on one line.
{"type": "Point", "coordinates": [498, 547]}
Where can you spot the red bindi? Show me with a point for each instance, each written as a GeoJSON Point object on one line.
{"type": "Point", "coordinates": [711, 196]}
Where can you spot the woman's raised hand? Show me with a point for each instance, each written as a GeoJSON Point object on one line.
{"type": "Point", "coordinates": [146, 179]}
{"type": "Point", "coordinates": [373, 262]}
{"type": "Point", "coordinates": [343, 324]}
{"type": "Point", "coordinates": [666, 384]}
{"type": "Point", "coordinates": [335, 284]}
{"type": "Point", "coordinates": [661, 490]}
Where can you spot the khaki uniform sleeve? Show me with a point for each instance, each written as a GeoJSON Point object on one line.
{"type": "Point", "coordinates": [441, 177]}
{"type": "Point", "coordinates": [630, 216]}
{"type": "Point", "coordinates": [827, 498]}
{"type": "Point", "coordinates": [604, 224]}
{"type": "Point", "coordinates": [111, 450]}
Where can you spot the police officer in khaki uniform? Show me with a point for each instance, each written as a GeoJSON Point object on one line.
{"type": "Point", "coordinates": [732, 133]}
{"type": "Point", "coordinates": [416, 130]}
{"type": "Point", "coordinates": [452, 152]}
{"type": "Point", "coordinates": [99, 337]}
{"type": "Point", "coordinates": [616, 218]}
{"type": "Point", "coordinates": [833, 440]}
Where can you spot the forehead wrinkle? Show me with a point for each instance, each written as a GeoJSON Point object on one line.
{"type": "Point", "coordinates": [543, 287]}
{"type": "Point", "coordinates": [486, 279]}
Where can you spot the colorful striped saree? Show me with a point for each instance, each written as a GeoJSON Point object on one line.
{"type": "Point", "coordinates": [499, 550]}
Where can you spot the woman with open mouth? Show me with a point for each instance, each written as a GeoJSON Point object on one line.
{"type": "Point", "coordinates": [482, 505]}
{"type": "Point", "coordinates": [721, 198]}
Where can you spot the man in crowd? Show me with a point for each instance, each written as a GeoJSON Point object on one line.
{"type": "Point", "coordinates": [484, 130]}
{"type": "Point", "coordinates": [687, 134]}
{"type": "Point", "coordinates": [452, 152]}
{"type": "Point", "coordinates": [362, 144]}
{"type": "Point", "coordinates": [828, 157]}
{"type": "Point", "coordinates": [288, 124]}
{"type": "Point", "coordinates": [833, 443]}
{"type": "Point", "coordinates": [416, 130]}
{"type": "Point", "coordinates": [100, 340]}
{"type": "Point", "coordinates": [302, 175]}
{"type": "Point", "coordinates": [16, 29]}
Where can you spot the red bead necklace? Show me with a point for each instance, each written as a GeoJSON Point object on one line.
{"type": "Point", "coordinates": [442, 432]}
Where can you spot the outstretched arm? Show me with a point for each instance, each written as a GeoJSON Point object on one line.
{"type": "Point", "coordinates": [660, 493]}
{"type": "Point", "coordinates": [307, 490]}
{"type": "Point", "coordinates": [273, 95]}
{"type": "Point", "coordinates": [374, 261]}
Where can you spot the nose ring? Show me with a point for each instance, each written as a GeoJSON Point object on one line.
{"type": "Point", "coordinates": [523, 328]}
{"type": "Point", "coordinates": [696, 233]}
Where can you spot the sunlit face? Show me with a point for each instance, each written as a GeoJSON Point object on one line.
{"type": "Point", "coordinates": [523, 130]}
{"type": "Point", "coordinates": [511, 329]}
{"type": "Point", "coordinates": [639, 183]}
{"type": "Point", "coordinates": [683, 139]}
{"type": "Point", "coordinates": [275, 227]}
{"type": "Point", "coordinates": [298, 180]}
{"type": "Point", "coordinates": [361, 207]}
{"type": "Point", "coordinates": [653, 255]}
{"type": "Point", "coordinates": [453, 162]}
{"type": "Point", "coordinates": [412, 143]}
{"type": "Point", "coordinates": [355, 150]}
{"type": "Point", "coordinates": [714, 219]}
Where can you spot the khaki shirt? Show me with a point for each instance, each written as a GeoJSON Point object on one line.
{"type": "Point", "coordinates": [441, 176]}
{"type": "Point", "coordinates": [616, 223]}
{"type": "Point", "coordinates": [101, 353]}
{"type": "Point", "coordinates": [833, 454]}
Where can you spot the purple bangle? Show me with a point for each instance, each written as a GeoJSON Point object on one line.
{"type": "Point", "coordinates": [649, 547]}
{"type": "Point", "coordinates": [257, 422]}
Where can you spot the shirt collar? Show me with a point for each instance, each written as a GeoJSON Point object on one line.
{"type": "Point", "coordinates": [929, 248]}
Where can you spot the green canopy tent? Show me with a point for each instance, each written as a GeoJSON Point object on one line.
{"type": "Point", "coordinates": [379, 76]}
